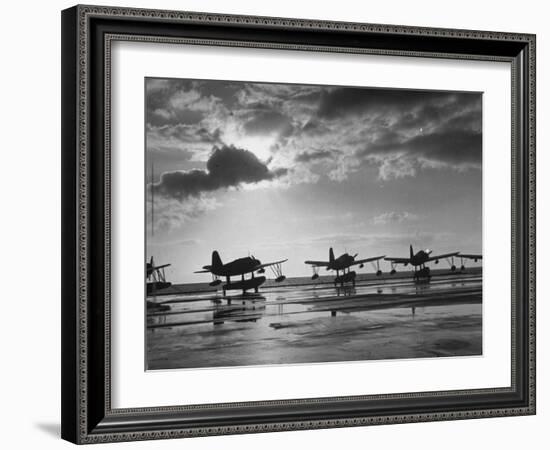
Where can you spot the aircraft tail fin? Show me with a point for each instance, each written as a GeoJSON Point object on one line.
{"type": "Point", "coordinates": [331, 255]}
{"type": "Point", "coordinates": [411, 252]}
{"type": "Point", "coordinates": [216, 260]}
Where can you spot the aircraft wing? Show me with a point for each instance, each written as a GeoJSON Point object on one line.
{"type": "Point", "coordinates": [207, 269]}
{"type": "Point", "coordinates": [366, 260]}
{"type": "Point", "coordinates": [318, 263]}
{"type": "Point", "coordinates": [446, 255]}
{"type": "Point", "coordinates": [159, 267]}
{"type": "Point", "coordinates": [261, 266]}
{"type": "Point", "coordinates": [470, 256]}
{"type": "Point", "coordinates": [398, 260]}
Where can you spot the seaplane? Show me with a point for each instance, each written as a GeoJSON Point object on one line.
{"type": "Point", "coordinates": [156, 279]}
{"type": "Point", "coordinates": [242, 266]}
{"type": "Point", "coordinates": [343, 264]}
{"type": "Point", "coordinates": [418, 261]}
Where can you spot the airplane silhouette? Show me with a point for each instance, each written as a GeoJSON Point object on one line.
{"type": "Point", "coordinates": [418, 261]}
{"type": "Point", "coordinates": [241, 267]}
{"type": "Point", "coordinates": [342, 263]}
{"type": "Point", "coordinates": [156, 278]}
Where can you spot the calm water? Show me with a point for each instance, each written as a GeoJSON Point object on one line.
{"type": "Point", "coordinates": [378, 319]}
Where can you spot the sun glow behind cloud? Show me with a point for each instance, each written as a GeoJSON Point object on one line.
{"type": "Point", "coordinates": [259, 145]}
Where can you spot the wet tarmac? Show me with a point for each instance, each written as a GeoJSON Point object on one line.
{"type": "Point", "coordinates": [376, 319]}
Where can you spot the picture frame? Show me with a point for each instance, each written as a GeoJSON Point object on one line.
{"type": "Point", "coordinates": [87, 413]}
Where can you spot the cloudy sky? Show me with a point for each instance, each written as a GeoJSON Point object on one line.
{"type": "Point", "coordinates": [286, 171]}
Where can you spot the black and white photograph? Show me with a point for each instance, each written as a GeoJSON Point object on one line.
{"type": "Point", "coordinates": [290, 224]}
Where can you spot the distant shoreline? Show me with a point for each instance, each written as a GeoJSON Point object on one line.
{"type": "Point", "coordinates": [198, 288]}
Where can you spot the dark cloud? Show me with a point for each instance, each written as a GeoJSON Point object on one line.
{"type": "Point", "coordinates": [458, 111]}
{"type": "Point", "coordinates": [157, 96]}
{"type": "Point", "coordinates": [224, 90]}
{"type": "Point", "coordinates": [174, 102]}
{"type": "Point", "coordinates": [342, 102]}
{"type": "Point", "coordinates": [400, 131]}
{"type": "Point", "coordinates": [227, 166]}
{"type": "Point", "coordinates": [442, 133]}
{"type": "Point", "coordinates": [307, 157]}
{"type": "Point", "coordinates": [454, 146]}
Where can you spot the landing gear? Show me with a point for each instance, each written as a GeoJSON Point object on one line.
{"type": "Point", "coordinates": [315, 272]}
{"type": "Point", "coordinates": [215, 281]}
{"type": "Point", "coordinates": [376, 267]}
{"type": "Point", "coordinates": [224, 290]}
{"type": "Point", "coordinates": [277, 272]}
{"type": "Point", "coordinates": [451, 262]}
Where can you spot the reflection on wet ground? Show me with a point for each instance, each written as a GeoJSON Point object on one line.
{"type": "Point", "coordinates": [317, 323]}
